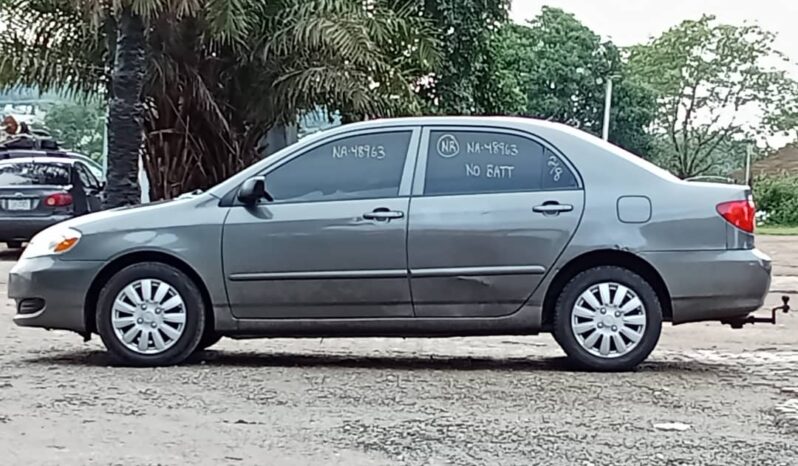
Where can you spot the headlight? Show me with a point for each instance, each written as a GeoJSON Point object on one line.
{"type": "Point", "coordinates": [56, 240]}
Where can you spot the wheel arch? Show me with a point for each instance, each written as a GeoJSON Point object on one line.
{"type": "Point", "coordinates": [606, 257]}
{"type": "Point", "coordinates": [137, 257]}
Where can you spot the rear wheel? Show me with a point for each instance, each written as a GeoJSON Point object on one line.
{"type": "Point", "coordinates": [150, 314]}
{"type": "Point", "coordinates": [14, 244]}
{"type": "Point", "coordinates": [607, 319]}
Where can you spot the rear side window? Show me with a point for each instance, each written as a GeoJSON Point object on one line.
{"type": "Point", "coordinates": [472, 162]}
{"type": "Point", "coordinates": [365, 166]}
{"type": "Point", "coordinates": [32, 173]}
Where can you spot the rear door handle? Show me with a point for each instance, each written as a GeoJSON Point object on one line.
{"type": "Point", "coordinates": [552, 208]}
{"type": "Point", "coordinates": [383, 214]}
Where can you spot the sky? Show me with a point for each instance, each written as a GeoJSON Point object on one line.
{"type": "Point", "coordinates": [629, 22]}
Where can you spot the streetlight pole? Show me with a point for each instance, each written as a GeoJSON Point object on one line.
{"type": "Point", "coordinates": [607, 105]}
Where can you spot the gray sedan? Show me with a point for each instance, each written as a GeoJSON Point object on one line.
{"type": "Point", "coordinates": [422, 227]}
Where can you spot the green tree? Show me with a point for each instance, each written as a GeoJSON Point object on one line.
{"type": "Point", "coordinates": [560, 67]}
{"type": "Point", "coordinates": [212, 100]}
{"type": "Point", "coordinates": [706, 75]}
{"type": "Point", "coordinates": [462, 83]}
{"type": "Point", "coordinates": [77, 126]}
{"type": "Point", "coordinates": [218, 74]}
{"type": "Point", "coordinates": [86, 47]}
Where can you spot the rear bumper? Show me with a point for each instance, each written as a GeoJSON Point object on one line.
{"type": "Point", "coordinates": [713, 285]}
{"type": "Point", "coordinates": [25, 228]}
{"type": "Point", "coordinates": [59, 287]}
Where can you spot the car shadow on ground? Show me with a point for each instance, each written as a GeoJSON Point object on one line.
{"type": "Point", "coordinates": [10, 254]}
{"type": "Point", "coordinates": [223, 359]}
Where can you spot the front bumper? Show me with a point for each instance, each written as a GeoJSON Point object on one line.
{"type": "Point", "coordinates": [25, 228]}
{"type": "Point", "coordinates": [56, 288]}
{"type": "Point", "coordinates": [713, 285]}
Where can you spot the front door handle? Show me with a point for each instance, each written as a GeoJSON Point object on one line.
{"type": "Point", "coordinates": [383, 214]}
{"type": "Point", "coordinates": [552, 208]}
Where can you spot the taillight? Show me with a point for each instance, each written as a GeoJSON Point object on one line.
{"type": "Point", "coordinates": [58, 200]}
{"type": "Point", "coordinates": [741, 214]}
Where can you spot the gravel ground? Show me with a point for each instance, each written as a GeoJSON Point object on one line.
{"type": "Point", "coordinates": [708, 395]}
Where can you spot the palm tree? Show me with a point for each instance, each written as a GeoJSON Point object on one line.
{"type": "Point", "coordinates": [81, 47]}
{"type": "Point", "coordinates": [217, 75]}
{"type": "Point", "coordinates": [125, 135]}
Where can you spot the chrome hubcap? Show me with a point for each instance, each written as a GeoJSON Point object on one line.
{"type": "Point", "coordinates": [608, 320]}
{"type": "Point", "coordinates": [149, 316]}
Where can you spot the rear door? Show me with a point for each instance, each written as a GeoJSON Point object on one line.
{"type": "Point", "coordinates": [491, 211]}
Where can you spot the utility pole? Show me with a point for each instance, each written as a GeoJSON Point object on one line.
{"type": "Point", "coordinates": [748, 164]}
{"type": "Point", "coordinates": [607, 105]}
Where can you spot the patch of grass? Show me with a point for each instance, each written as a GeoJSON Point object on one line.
{"type": "Point", "coordinates": [777, 230]}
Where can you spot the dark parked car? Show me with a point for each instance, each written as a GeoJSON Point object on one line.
{"type": "Point", "coordinates": [37, 192]}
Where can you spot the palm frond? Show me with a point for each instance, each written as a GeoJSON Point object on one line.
{"type": "Point", "coordinates": [47, 44]}
{"type": "Point", "coordinates": [229, 21]}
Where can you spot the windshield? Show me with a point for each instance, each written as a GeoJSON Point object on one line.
{"type": "Point", "coordinates": [32, 173]}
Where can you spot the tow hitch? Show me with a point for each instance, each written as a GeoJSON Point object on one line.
{"type": "Point", "coordinates": [738, 322]}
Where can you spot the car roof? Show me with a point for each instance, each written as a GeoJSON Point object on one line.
{"type": "Point", "coordinates": [458, 120]}
{"type": "Point", "coordinates": [45, 159]}
{"type": "Point", "coordinates": [6, 154]}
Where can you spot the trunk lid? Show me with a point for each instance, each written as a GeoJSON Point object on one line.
{"type": "Point", "coordinates": [31, 201]}
{"type": "Point", "coordinates": [734, 205]}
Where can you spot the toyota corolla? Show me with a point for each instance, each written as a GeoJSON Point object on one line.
{"type": "Point", "coordinates": [422, 227]}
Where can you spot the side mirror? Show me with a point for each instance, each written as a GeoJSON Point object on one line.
{"type": "Point", "coordinates": [253, 190]}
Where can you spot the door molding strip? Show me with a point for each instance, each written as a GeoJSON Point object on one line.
{"type": "Point", "coordinates": [318, 275]}
{"type": "Point", "coordinates": [391, 273]}
{"type": "Point", "coordinates": [470, 271]}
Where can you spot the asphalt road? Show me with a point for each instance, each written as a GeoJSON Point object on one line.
{"type": "Point", "coordinates": [708, 395]}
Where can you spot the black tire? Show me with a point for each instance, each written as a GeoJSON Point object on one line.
{"type": "Point", "coordinates": [194, 306]}
{"type": "Point", "coordinates": [209, 339]}
{"type": "Point", "coordinates": [564, 335]}
{"type": "Point", "coordinates": [14, 244]}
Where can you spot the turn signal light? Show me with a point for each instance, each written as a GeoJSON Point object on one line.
{"type": "Point", "coordinates": [741, 214]}
{"type": "Point", "coordinates": [65, 244]}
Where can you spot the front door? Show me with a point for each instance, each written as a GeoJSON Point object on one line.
{"type": "Point", "coordinates": [332, 243]}
{"type": "Point", "coordinates": [491, 211]}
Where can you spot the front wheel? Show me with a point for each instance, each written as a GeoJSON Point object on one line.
{"type": "Point", "coordinates": [607, 319]}
{"type": "Point", "coordinates": [150, 314]}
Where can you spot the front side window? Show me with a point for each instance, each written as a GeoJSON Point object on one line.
{"type": "Point", "coordinates": [366, 166]}
{"type": "Point", "coordinates": [472, 162]}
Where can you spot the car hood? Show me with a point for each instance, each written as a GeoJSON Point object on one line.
{"type": "Point", "coordinates": [151, 215]}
